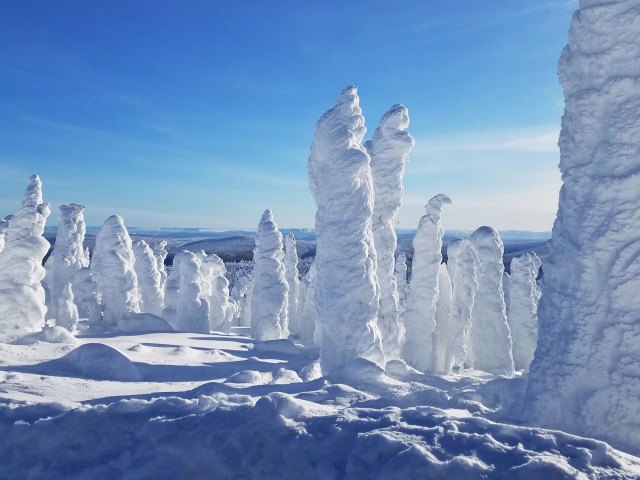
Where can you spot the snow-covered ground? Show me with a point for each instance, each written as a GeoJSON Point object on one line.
{"type": "Point", "coordinates": [185, 405]}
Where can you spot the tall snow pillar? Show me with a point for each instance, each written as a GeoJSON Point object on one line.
{"type": "Point", "coordinates": [389, 150]}
{"type": "Point", "coordinates": [490, 337]}
{"type": "Point", "coordinates": [585, 376]}
{"type": "Point", "coordinates": [420, 316]}
{"type": "Point", "coordinates": [293, 281]}
{"type": "Point", "coordinates": [270, 291]}
{"type": "Point", "coordinates": [22, 298]}
{"type": "Point", "coordinates": [346, 294]}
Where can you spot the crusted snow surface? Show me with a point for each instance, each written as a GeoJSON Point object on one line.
{"type": "Point", "coordinates": [179, 405]}
{"type": "Point", "coordinates": [389, 150]}
{"type": "Point", "coordinates": [585, 376]}
{"type": "Point", "coordinates": [112, 271]}
{"type": "Point", "coordinates": [347, 293]}
{"type": "Point", "coordinates": [522, 308]}
{"type": "Point", "coordinates": [420, 316]}
{"type": "Point", "coordinates": [490, 338]}
{"type": "Point", "coordinates": [22, 297]}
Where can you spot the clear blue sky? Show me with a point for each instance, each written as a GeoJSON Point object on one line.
{"type": "Point", "coordinates": [201, 113]}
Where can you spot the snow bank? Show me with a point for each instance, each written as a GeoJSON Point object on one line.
{"type": "Point", "coordinates": [522, 311]}
{"type": "Point", "coordinates": [347, 292]}
{"type": "Point", "coordinates": [586, 373]}
{"type": "Point", "coordinates": [22, 298]}
{"type": "Point", "coordinates": [112, 271]}
{"type": "Point", "coordinates": [149, 278]}
{"type": "Point", "coordinates": [269, 297]}
{"type": "Point", "coordinates": [389, 150]}
{"type": "Point", "coordinates": [489, 337]}
{"type": "Point", "coordinates": [420, 316]}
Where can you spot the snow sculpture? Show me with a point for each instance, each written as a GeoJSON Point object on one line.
{"type": "Point", "coordinates": [442, 316]}
{"type": "Point", "coordinates": [490, 338]}
{"type": "Point", "coordinates": [84, 296]}
{"type": "Point", "coordinates": [149, 278]}
{"type": "Point", "coordinates": [67, 315]}
{"type": "Point", "coordinates": [269, 298]}
{"type": "Point", "coordinates": [420, 316]}
{"type": "Point", "coordinates": [389, 150]}
{"type": "Point", "coordinates": [112, 270]}
{"type": "Point", "coordinates": [347, 293]}
{"type": "Point", "coordinates": [463, 265]}
{"type": "Point", "coordinates": [68, 256]}
{"type": "Point", "coordinates": [585, 376]}
{"type": "Point", "coordinates": [293, 282]}
{"type": "Point", "coordinates": [401, 282]}
{"type": "Point", "coordinates": [308, 315]}
{"type": "Point", "coordinates": [22, 298]}
{"type": "Point", "coordinates": [522, 308]}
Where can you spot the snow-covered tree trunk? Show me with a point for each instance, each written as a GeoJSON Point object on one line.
{"type": "Point", "coordinates": [293, 281]}
{"type": "Point", "coordinates": [462, 265]}
{"type": "Point", "coordinates": [22, 298]}
{"type": "Point", "coordinates": [347, 292]}
{"type": "Point", "coordinates": [389, 149]}
{"type": "Point", "coordinates": [269, 298]}
{"type": "Point", "coordinates": [585, 376]}
{"type": "Point", "coordinates": [443, 314]}
{"type": "Point", "coordinates": [490, 338]}
{"type": "Point", "coordinates": [112, 270]}
{"type": "Point", "coordinates": [149, 278]}
{"type": "Point", "coordinates": [68, 256]}
{"type": "Point", "coordinates": [402, 285]}
{"type": "Point", "coordinates": [420, 316]}
{"type": "Point", "coordinates": [67, 315]}
{"type": "Point", "coordinates": [522, 308]}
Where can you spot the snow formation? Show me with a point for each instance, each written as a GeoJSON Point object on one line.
{"type": "Point", "coordinates": [269, 297]}
{"type": "Point", "coordinates": [420, 316]}
{"type": "Point", "coordinates": [401, 281]}
{"type": "Point", "coordinates": [160, 252]}
{"type": "Point", "coordinates": [308, 314]}
{"type": "Point", "coordinates": [84, 296]}
{"type": "Point", "coordinates": [490, 338]}
{"type": "Point", "coordinates": [22, 297]}
{"type": "Point", "coordinates": [463, 266]}
{"type": "Point", "coordinates": [442, 316]}
{"type": "Point", "coordinates": [522, 308]}
{"type": "Point", "coordinates": [67, 316]}
{"type": "Point", "coordinates": [389, 150]}
{"type": "Point", "coordinates": [192, 306]}
{"type": "Point", "coordinates": [293, 281]}
{"type": "Point", "coordinates": [585, 376]}
{"type": "Point", "coordinates": [347, 293]}
{"type": "Point", "coordinates": [222, 308]}
{"type": "Point", "coordinates": [149, 278]}
{"type": "Point", "coordinates": [112, 270]}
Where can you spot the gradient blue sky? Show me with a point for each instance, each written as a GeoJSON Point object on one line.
{"type": "Point", "coordinates": [201, 114]}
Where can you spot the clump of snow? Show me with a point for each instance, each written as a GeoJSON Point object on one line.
{"type": "Point", "coordinates": [283, 346]}
{"type": "Point", "coordinates": [463, 265]}
{"type": "Point", "coordinates": [522, 308]}
{"type": "Point", "coordinates": [285, 377]}
{"type": "Point", "coordinates": [293, 281]}
{"type": "Point", "coordinates": [269, 297]}
{"type": "Point", "coordinates": [250, 377]}
{"type": "Point", "coordinates": [585, 376]}
{"type": "Point", "coordinates": [420, 316]}
{"type": "Point", "coordinates": [112, 271]}
{"type": "Point", "coordinates": [100, 362]}
{"type": "Point", "coordinates": [22, 297]}
{"type": "Point", "coordinates": [389, 150]}
{"type": "Point", "coordinates": [54, 334]}
{"type": "Point", "coordinates": [150, 278]}
{"type": "Point", "coordinates": [347, 293]}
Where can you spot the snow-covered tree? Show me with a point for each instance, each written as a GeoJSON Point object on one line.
{"type": "Point", "coordinates": [269, 298]}
{"type": "Point", "coordinates": [462, 266]}
{"type": "Point", "coordinates": [490, 338]}
{"type": "Point", "coordinates": [222, 308]}
{"type": "Point", "coordinates": [171, 293]}
{"type": "Point", "coordinates": [22, 298]}
{"type": "Point", "coordinates": [585, 376]}
{"type": "Point", "coordinates": [68, 256]}
{"type": "Point", "coordinates": [192, 309]}
{"type": "Point", "coordinates": [112, 271]}
{"type": "Point", "coordinates": [347, 292]}
{"type": "Point", "coordinates": [67, 315]}
{"type": "Point", "coordinates": [85, 297]}
{"type": "Point", "coordinates": [307, 314]}
{"type": "Point", "coordinates": [402, 284]}
{"type": "Point", "coordinates": [443, 315]}
{"type": "Point", "coordinates": [4, 225]}
{"type": "Point", "coordinates": [149, 278]}
{"type": "Point", "coordinates": [293, 281]}
{"type": "Point", "coordinates": [160, 252]}
{"type": "Point", "coordinates": [244, 300]}
{"type": "Point", "coordinates": [522, 308]}
{"type": "Point", "coordinates": [389, 150]}
{"type": "Point", "coordinates": [420, 316]}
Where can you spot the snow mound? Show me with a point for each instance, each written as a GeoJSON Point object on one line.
{"type": "Point", "coordinates": [250, 377]}
{"type": "Point", "coordinates": [143, 322]}
{"type": "Point", "coordinates": [283, 346]}
{"type": "Point", "coordinates": [97, 361]}
{"type": "Point", "coordinates": [284, 376]}
{"type": "Point", "coordinates": [48, 334]}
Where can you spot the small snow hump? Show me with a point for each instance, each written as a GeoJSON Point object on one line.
{"type": "Point", "coordinates": [100, 362]}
